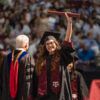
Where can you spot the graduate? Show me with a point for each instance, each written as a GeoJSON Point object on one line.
{"type": "Point", "coordinates": [16, 72]}
{"type": "Point", "coordinates": [78, 85]}
{"type": "Point", "coordinates": [51, 81]}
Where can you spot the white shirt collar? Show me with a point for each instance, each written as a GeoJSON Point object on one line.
{"type": "Point", "coordinates": [20, 49]}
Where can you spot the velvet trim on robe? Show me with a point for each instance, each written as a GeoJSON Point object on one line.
{"type": "Point", "coordinates": [14, 66]}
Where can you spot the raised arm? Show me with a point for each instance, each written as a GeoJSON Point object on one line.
{"type": "Point", "coordinates": [68, 16]}
{"type": "Point", "coordinates": [69, 28]}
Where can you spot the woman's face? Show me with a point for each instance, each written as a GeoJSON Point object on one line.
{"type": "Point", "coordinates": [51, 46]}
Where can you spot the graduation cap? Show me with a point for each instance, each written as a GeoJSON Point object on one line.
{"type": "Point", "coordinates": [49, 35]}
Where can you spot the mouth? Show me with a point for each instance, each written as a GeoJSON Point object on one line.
{"type": "Point", "coordinates": [51, 48]}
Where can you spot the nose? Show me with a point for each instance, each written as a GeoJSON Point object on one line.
{"type": "Point", "coordinates": [49, 44]}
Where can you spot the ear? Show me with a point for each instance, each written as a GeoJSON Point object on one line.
{"type": "Point", "coordinates": [26, 47]}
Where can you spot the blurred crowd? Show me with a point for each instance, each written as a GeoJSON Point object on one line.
{"type": "Point", "coordinates": [30, 17]}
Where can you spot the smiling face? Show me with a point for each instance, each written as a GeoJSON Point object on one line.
{"type": "Point", "coordinates": [51, 46]}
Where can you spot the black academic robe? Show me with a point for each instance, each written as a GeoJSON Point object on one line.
{"type": "Point", "coordinates": [65, 59]}
{"type": "Point", "coordinates": [24, 76]}
{"type": "Point", "coordinates": [78, 86]}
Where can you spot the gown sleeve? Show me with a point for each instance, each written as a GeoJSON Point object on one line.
{"type": "Point", "coordinates": [1, 69]}
{"type": "Point", "coordinates": [33, 87]}
{"type": "Point", "coordinates": [68, 53]}
{"type": "Point", "coordinates": [1, 74]}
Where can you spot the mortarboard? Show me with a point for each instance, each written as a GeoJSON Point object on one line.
{"type": "Point", "coordinates": [49, 35]}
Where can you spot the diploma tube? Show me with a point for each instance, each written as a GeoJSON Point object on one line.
{"type": "Point", "coordinates": [70, 14]}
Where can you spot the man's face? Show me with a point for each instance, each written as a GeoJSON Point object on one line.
{"type": "Point", "coordinates": [51, 46]}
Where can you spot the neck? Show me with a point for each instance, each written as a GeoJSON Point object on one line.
{"type": "Point", "coordinates": [51, 53]}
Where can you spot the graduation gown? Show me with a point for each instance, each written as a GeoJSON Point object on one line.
{"type": "Point", "coordinates": [24, 76]}
{"type": "Point", "coordinates": [45, 89]}
{"type": "Point", "coordinates": [78, 86]}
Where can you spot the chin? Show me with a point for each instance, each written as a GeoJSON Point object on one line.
{"type": "Point", "coordinates": [51, 51]}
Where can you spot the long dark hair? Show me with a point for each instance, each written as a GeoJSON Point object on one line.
{"type": "Point", "coordinates": [43, 53]}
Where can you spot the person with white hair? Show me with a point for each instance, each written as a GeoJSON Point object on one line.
{"type": "Point", "coordinates": [22, 41]}
{"type": "Point", "coordinates": [16, 72]}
